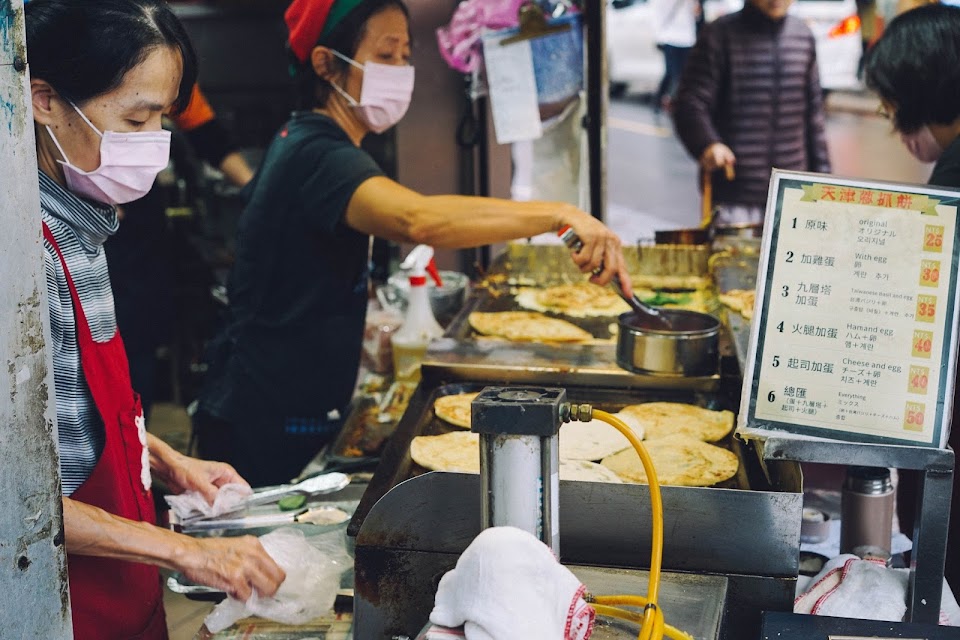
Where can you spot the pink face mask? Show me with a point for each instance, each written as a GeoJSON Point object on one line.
{"type": "Point", "coordinates": [385, 95]}
{"type": "Point", "coordinates": [129, 163]}
{"type": "Point", "coordinates": [922, 145]}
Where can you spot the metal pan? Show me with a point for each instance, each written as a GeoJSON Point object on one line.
{"type": "Point", "coordinates": [690, 236]}
{"type": "Point", "coordinates": [690, 348]}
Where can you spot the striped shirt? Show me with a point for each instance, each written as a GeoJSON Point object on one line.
{"type": "Point", "coordinates": [80, 228]}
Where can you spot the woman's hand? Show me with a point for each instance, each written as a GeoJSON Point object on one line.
{"type": "Point", "coordinates": [237, 566]}
{"type": "Point", "coordinates": [183, 473]}
{"type": "Point", "coordinates": [601, 249]}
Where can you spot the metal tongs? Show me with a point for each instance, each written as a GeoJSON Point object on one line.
{"type": "Point", "coordinates": [317, 485]}
{"type": "Point", "coordinates": [243, 518]}
{"type": "Point", "coordinates": [651, 315]}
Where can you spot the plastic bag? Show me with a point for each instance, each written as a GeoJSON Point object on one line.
{"type": "Point", "coordinates": [192, 503]}
{"type": "Point", "coordinates": [313, 571]}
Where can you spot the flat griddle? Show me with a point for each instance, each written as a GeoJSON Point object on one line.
{"type": "Point", "coordinates": [396, 465]}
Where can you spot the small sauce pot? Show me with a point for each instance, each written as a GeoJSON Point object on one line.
{"type": "Point", "coordinates": [691, 348]}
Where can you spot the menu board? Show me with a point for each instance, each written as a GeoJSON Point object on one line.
{"type": "Point", "coordinates": [854, 333]}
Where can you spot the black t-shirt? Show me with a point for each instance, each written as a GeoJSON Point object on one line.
{"type": "Point", "coordinates": [946, 173]}
{"type": "Point", "coordinates": [298, 289]}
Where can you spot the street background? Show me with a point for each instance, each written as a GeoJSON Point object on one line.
{"type": "Point", "coordinates": [652, 182]}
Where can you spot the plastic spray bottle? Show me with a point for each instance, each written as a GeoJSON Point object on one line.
{"type": "Point", "coordinates": [419, 327]}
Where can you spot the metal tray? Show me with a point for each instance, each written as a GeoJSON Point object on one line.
{"type": "Point", "coordinates": [368, 426]}
{"type": "Point", "coordinates": [396, 465]}
{"type": "Point", "coordinates": [734, 269]}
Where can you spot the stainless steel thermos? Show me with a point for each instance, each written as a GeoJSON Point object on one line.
{"type": "Point", "coordinates": [866, 511]}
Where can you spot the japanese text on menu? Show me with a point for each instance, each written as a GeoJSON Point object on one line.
{"type": "Point", "coordinates": [858, 299]}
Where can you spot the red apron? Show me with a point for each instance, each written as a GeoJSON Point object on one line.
{"type": "Point", "coordinates": [113, 599]}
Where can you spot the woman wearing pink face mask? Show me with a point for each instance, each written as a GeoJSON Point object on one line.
{"type": "Point", "coordinates": [102, 73]}
{"type": "Point", "coordinates": [915, 68]}
{"type": "Point", "coordinates": [288, 358]}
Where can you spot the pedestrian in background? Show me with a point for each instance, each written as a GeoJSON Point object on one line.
{"type": "Point", "coordinates": [675, 26]}
{"type": "Point", "coordinates": [750, 97]}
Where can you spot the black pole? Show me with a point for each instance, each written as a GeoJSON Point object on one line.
{"type": "Point", "coordinates": [597, 92]}
{"type": "Point", "coordinates": [483, 173]}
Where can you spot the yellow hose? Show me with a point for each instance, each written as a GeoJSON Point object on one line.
{"type": "Point", "coordinates": [636, 618]}
{"type": "Point", "coordinates": [652, 625]}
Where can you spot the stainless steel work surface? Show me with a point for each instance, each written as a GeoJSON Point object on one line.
{"type": "Point", "coordinates": [589, 365]}
{"type": "Point", "coordinates": [691, 603]}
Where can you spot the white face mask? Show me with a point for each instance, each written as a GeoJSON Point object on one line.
{"type": "Point", "coordinates": [129, 163]}
{"type": "Point", "coordinates": [384, 96]}
{"type": "Point", "coordinates": [922, 145]}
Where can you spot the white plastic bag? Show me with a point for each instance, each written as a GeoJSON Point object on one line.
{"type": "Point", "coordinates": [313, 579]}
{"type": "Point", "coordinates": [191, 504]}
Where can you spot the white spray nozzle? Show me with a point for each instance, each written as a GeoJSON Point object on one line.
{"type": "Point", "coordinates": [419, 263]}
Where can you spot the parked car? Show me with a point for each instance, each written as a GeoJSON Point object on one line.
{"type": "Point", "coordinates": [636, 65]}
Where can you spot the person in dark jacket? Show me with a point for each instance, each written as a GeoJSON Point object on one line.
{"type": "Point", "coordinates": [750, 98]}
{"type": "Point", "coordinates": [915, 69]}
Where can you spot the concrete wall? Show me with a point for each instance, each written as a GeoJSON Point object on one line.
{"type": "Point", "coordinates": [34, 601]}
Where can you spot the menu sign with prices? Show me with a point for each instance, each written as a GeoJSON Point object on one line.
{"type": "Point", "coordinates": [855, 328]}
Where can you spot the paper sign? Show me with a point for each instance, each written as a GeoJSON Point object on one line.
{"type": "Point", "coordinates": [513, 89]}
{"type": "Point", "coordinates": [855, 329]}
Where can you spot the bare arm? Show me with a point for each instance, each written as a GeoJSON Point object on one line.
{"type": "Point", "coordinates": [236, 169]}
{"type": "Point", "coordinates": [383, 208]}
{"type": "Point", "coordinates": [183, 473]}
{"type": "Point", "coordinates": [236, 565]}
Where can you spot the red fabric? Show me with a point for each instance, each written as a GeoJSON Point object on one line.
{"type": "Point", "coordinates": [305, 20]}
{"type": "Point", "coordinates": [113, 599]}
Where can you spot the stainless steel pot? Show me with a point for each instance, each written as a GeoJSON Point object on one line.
{"type": "Point", "coordinates": [690, 348]}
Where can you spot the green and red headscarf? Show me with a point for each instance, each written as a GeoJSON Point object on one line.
{"type": "Point", "coordinates": [310, 20]}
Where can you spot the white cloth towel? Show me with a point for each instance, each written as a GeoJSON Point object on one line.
{"type": "Point", "coordinates": [848, 587]}
{"type": "Point", "coordinates": [192, 504]}
{"type": "Point", "coordinates": [508, 585]}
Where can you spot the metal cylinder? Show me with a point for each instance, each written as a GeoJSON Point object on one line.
{"type": "Point", "coordinates": [520, 459]}
{"type": "Point", "coordinates": [516, 482]}
{"type": "Point", "coordinates": [866, 509]}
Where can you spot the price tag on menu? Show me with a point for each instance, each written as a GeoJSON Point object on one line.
{"type": "Point", "coordinates": [855, 329]}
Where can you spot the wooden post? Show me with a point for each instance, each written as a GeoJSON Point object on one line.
{"type": "Point", "coordinates": [34, 599]}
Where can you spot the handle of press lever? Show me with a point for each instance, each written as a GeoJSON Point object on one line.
{"type": "Point", "coordinates": [706, 211]}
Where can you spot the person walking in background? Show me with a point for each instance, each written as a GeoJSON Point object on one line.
{"type": "Point", "coordinates": [750, 98]}
{"type": "Point", "coordinates": [675, 25]}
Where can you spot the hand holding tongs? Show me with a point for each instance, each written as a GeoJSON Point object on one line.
{"type": "Point", "coordinates": [656, 319]}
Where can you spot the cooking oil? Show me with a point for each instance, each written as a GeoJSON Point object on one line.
{"type": "Point", "coordinates": [407, 359]}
